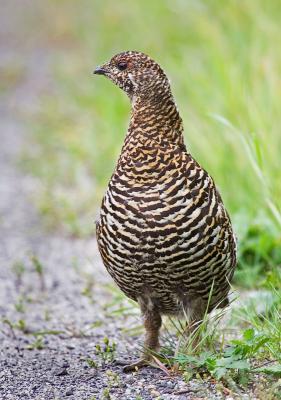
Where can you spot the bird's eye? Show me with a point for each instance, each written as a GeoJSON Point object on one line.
{"type": "Point", "coordinates": [122, 65]}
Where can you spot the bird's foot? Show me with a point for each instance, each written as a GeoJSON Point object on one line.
{"type": "Point", "coordinates": [142, 362]}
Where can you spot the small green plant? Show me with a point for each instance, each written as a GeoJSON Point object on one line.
{"type": "Point", "coordinates": [105, 354]}
{"type": "Point", "coordinates": [11, 327]}
{"type": "Point", "coordinates": [106, 394]}
{"type": "Point", "coordinates": [88, 289]}
{"type": "Point", "coordinates": [18, 268]}
{"type": "Point", "coordinates": [47, 332]}
{"type": "Point", "coordinates": [47, 315]}
{"type": "Point", "coordinates": [37, 344]}
{"type": "Point", "coordinates": [113, 379]}
{"type": "Point", "coordinates": [209, 351]}
{"type": "Point", "coordinates": [91, 363]}
{"type": "Point", "coordinates": [20, 305]}
{"type": "Point", "coordinates": [106, 351]}
{"type": "Point", "coordinates": [39, 270]}
{"type": "Point", "coordinates": [239, 360]}
{"type": "Point", "coordinates": [21, 325]}
{"type": "Point", "coordinates": [96, 324]}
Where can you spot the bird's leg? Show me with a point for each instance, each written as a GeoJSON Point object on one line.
{"type": "Point", "coordinates": [152, 324]}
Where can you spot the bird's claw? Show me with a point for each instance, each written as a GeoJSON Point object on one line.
{"type": "Point", "coordinates": [142, 362]}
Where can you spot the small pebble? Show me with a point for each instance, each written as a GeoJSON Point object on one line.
{"type": "Point", "coordinates": [65, 365]}
{"type": "Point", "coordinates": [61, 372]}
{"type": "Point", "coordinates": [69, 392]}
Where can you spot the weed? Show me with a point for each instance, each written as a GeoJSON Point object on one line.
{"type": "Point", "coordinates": [39, 270]}
{"type": "Point", "coordinates": [96, 324]}
{"type": "Point", "coordinates": [91, 363]}
{"type": "Point", "coordinates": [37, 344]}
{"type": "Point", "coordinates": [18, 268]}
{"type": "Point", "coordinates": [47, 332]}
{"type": "Point", "coordinates": [39, 336]}
{"type": "Point", "coordinates": [11, 327]}
{"type": "Point", "coordinates": [47, 315]}
{"type": "Point", "coordinates": [235, 361]}
{"type": "Point", "coordinates": [21, 325]}
{"type": "Point", "coordinates": [106, 351]}
{"type": "Point", "coordinates": [238, 363]}
{"type": "Point", "coordinates": [106, 394]}
{"type": "Point", "coordinates": [113, 379]}
{"type": "Point", "coordinates": [20, 305]}
{"type": "Point", "coordinates": [88, 289]}
{"type": "Point", "coordinates": [105, 354]}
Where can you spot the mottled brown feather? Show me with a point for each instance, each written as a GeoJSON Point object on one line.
{"type": "Point", "coordinates": [164, 234]}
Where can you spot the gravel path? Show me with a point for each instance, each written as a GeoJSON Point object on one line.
{"type": "Point", "coordinates": [54, 290]}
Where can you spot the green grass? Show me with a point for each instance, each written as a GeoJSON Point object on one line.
{"type": "Point", "coordinates": [244, 351]}
{"type": "Point", "coordinates": [239, 349]}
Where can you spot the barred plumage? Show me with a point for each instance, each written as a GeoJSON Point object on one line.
{"type": "Point", "coordinates": [163, 233]}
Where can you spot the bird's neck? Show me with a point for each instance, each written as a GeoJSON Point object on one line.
{"type": "Point", "coordinates": [155, 119]}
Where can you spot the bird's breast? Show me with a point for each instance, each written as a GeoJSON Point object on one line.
{"type": "Point", "coordinates": [153, 212]}
{"type": "Point", "coordinates": [164, 227]}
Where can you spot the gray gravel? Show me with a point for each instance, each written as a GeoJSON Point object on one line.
{"type": "Point", "coordinates": [54, 365]}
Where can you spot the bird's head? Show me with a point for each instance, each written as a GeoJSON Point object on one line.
{"type": "Point", "coordinates": [135, 73]}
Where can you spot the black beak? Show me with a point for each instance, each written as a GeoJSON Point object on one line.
{"type": "Point", "coordinates": [100, 71]}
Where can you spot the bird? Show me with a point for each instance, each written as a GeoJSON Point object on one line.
{"type": "Point", "coordinates": [163, 232]}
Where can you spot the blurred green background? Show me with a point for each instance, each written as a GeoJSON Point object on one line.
{"type": "Point", "coordinates": [224, 63]}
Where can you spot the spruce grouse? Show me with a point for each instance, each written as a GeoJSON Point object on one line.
{"type": "Point", "coordinates": [164, 234]}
